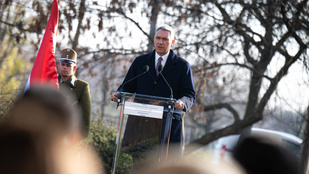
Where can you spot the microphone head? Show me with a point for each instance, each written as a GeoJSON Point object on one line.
{"type": "Point", "coordinates": [146, 68]}
{"type": "Point", "coordinates": [160, 68]}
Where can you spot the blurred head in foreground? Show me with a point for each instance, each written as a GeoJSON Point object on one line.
{"type": "Point", "coordinates": [47, 111]}
{"type": "Point", "coordinates": [261, 155]}
{"type": "Point", "coordinates": [23, 152]}
{"type": "Point", "coordinates": [19, 153]}
{"type": "Point", "coordinates": [42, 136]}
{"type": "Point", "coordinates": [192, 164]}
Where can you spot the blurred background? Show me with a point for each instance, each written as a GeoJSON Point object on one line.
{"type": "Point", "coordinates": [249, 58]}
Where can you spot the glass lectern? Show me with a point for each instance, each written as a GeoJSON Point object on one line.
{"type": "Point", "coordinates": [143, 130]}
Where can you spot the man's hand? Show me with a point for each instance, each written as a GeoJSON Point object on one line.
{"type": "Point", "coordinates": [114, 97]}
{"type": "Point", "coordinates": [179, 105]}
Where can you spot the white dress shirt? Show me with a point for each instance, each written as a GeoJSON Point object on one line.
{"type": "Point", "coordinates": [164, 59]}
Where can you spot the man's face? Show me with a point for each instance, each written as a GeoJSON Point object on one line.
{"type": "Point", "coordinates": [163, 42]}
{"type": "Point", "coordinates": [66, 69]}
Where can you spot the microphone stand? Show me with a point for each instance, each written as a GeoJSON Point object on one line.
{"type": "Point", "coordinates": [145, 69]}
{"type": "Point", "coordinates": [172, 103]}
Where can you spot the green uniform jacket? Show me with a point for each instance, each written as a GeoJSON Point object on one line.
{"type": "Point", "coordinates": [79, 89]}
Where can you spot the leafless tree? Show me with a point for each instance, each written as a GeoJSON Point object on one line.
{"type": "Point", "coordinates": [232, 44]}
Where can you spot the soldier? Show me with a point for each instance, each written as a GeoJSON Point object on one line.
{"type": "Point", "coordinates": [72, 86]}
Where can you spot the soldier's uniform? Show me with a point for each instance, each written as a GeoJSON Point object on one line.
{"type": "Point", "coordinates": [77, 89]}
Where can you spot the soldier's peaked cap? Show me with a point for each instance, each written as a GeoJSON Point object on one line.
{"type": "Point", "coordinates": [68, 55]}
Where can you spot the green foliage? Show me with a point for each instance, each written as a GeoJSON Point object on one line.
{"type": "Point", "coordinates": [13, 68]}
{"type": "Point", "coordinates": [103, 138]}
{"type": "Point", "coordinates": [142, 151]}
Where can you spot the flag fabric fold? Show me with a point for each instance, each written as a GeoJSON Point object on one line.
{"type": "Point", "coordinates": [44, 70]}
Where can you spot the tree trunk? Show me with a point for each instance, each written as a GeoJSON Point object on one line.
{"type": "Point", "coordinates": [81, 15]}
{"type": "Point", "coordinates": [153, 23]}
{"type": "Point", "coordinates": [305, 148]}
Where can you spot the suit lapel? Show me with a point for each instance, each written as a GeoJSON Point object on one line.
{"type": "Point", "coordinates": [150, 61]}
{"type": "Point", "coordinates": [170, 63]}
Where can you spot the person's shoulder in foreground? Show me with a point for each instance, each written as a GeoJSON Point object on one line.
{"type": "Point", "coordinates": [193, 165]}
{"type": "Point", "coordinates": [262, 155]}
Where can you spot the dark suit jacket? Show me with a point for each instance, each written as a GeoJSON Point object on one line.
{"type": "Point", "coordinates": [176, 71]}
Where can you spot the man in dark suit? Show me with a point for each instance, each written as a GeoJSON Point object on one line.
{"type": "Point", "coordinates": [73, 87]}
{"type": "Point", "coordinates": [176, 71]}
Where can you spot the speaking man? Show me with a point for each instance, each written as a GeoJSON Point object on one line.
{"type": "Point", "coordinates": [176, 71]}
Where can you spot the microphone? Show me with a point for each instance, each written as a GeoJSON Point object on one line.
{"type": "Point", "coordinates": [160, 68]}
{"type": "Point", "coordinates": [145, 69]}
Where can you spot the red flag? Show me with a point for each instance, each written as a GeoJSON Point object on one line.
{"type": "Point", "coordinates": [44, 71]}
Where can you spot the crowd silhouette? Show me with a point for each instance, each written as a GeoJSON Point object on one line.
{"type": "Point", "coordinates": [42, 135]}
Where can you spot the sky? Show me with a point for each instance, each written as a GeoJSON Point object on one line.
{"type": "Point", "coordinates": [293, 90]}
